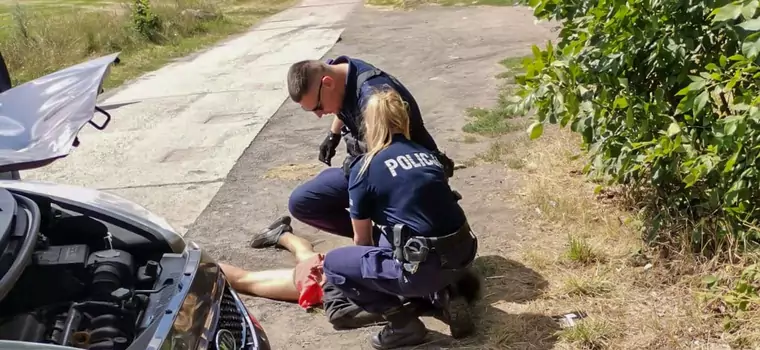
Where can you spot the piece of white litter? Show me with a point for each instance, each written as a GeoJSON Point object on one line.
{"type": "Point", "coordinates": [647, 266]}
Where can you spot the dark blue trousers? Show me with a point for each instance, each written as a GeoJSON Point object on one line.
{"type": "Point", "coordinates": [372, 279]}
{"type": "Point", "coordinates": [322, 202]}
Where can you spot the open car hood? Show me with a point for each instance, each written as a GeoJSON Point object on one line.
{"type": "Point", "coordinates": [40, 119]}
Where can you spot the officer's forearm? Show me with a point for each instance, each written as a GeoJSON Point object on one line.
{"type": "Point", "coordinates": [337, 124]}
{"type": "Point", "coordinates": [362, 232]}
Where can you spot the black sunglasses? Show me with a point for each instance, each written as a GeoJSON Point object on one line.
{"type": "Point", "coordinates": [319, 98]}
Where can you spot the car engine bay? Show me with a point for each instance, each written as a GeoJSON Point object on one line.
{"type": "Point", "coordinates": [69, 279]}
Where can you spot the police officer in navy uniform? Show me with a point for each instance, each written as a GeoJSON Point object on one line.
{"type": "Point", "coordinates": [399, 188]}
{"type": "Point", "coordinates": [342, 87]}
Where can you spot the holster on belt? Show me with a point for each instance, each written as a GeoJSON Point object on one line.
{"type": "Point", "coordinates": [413, 250]}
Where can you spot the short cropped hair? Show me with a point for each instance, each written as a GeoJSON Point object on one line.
{"type": "Point", "coordinates": [301, 75]}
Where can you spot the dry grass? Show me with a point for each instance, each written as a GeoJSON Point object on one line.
{"type": "Point", "coordinates": [36, 42]}
{"type": "Point", "coordinates": [293, 172]}
{"type": "Point", "coordinates": [590, 334]}
{"type": "Point", "coordinates": [648, 304]}
{"type": "Point", "coordinates": [586, 252]}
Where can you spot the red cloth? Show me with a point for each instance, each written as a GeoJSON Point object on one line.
{"type": "Point", "coordinates": [309, 278]}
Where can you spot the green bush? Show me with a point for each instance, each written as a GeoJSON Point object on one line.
{"type": "Point", "coordinates": [665, 95]}
{"type": "Point", "coordinates": [146, 22]}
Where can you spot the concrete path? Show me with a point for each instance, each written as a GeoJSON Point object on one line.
{"type": "Point", "coordinates": [448, 57]}
{"type": "Point", "coordinates": [178, 131]}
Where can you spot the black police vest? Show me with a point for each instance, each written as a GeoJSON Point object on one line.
{"type": "Point", "coordinates": [355, 146]}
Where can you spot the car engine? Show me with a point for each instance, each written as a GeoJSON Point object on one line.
{"type": "Point", "coordinates": [83, 287]}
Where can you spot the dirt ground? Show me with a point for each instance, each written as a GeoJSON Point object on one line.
{"type": "Point", "coordinates": [448, 57]}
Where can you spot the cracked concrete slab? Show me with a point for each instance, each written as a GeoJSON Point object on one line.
{"type": "Point", "coordinates": [191, 120]}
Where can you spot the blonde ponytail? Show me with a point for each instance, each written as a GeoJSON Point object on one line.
{"type": "Point", "coordinates": [384, 115]}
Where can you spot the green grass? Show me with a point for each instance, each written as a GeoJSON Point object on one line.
{"type": "Point", "coordinates": [497, 120]}
{"type": "Point", "coordinates": [38, 38]}
{"type": "Point", "coordinates": [587, 286]}
{"type": "Point", "coordinates": [488, 122]}
{"type": "Point", "coordinates": [579, 250]}
{"type": "Point", "coordinates": [589, 334]}
{"type": "Point", "coordinates": [513, 66]}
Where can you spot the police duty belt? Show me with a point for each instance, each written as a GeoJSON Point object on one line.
{"type": "Point", "coordinates": [411, 250]}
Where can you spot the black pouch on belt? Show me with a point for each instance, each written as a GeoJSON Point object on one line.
{"type": "Point", "coordinates": [456, 250]}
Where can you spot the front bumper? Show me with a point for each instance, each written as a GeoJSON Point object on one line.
{"type": "Point", "coordinates": [202, 311]}
{"type": "Point", "coordinates": [236, 319]}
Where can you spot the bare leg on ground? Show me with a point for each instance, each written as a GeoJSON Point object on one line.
{"type": "Point", "coordinates": [271, 284]}
{"type": "Point", "coordinates": [299, 246]}
{"type": "Point", "coordinates": [275, 284]}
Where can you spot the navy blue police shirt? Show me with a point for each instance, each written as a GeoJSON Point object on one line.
{"type": "Point", "coordinates": [353, 105]}
{"type": "Point", "coordinates": [404, 184]}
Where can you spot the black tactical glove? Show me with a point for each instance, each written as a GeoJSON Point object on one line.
{"type": "Point", "coordinates": [448, 163]}
{"type": "Point", "coordinates": [327, 148]}
{"type": "Point", "coordinates": [347, 165]}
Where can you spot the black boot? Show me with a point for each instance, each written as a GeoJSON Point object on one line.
{"type": "Point", "coordinates": [403, 329]}
{"type": "Point", "coordinates": [270, 235]}
{"type": "Point", "coordinates": [356, 319]}
{"type": "Point", "coordinates": [468, 286]}
{"type": "Point", "coordinates": [455, 312]}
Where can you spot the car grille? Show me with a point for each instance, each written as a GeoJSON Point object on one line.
{"type": "Point", "coordinates": [231, 318]}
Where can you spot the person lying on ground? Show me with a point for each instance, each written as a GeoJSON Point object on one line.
{"type": "Point", "coordinates": [304, 284]}
{"type": "Point", "coordinates": [426, 246]}
{"type": "Point", "coordinates": [342, 87]}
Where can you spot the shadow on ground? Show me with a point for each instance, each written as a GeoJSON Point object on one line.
{"type": "Point", "coordinates": [505, 281]}
{"type": "Point", "coordinates": [508, 281]}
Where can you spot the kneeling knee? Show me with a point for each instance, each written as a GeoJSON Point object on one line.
{"type": "Point", "coordinates": [329, 263]}
{"type": "Point", "coordinates": [331, 267]}
{"type": "Point", "coordinates": [297, 201]}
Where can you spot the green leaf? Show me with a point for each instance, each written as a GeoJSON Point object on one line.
{"type": "Point", "coordinates": [673, 129]}
{"type": "Point", "coordinates": [751, 25]}
{"type": "Point", "coordinates": [730, 128]}
{"type": "Point", "coordinates": [621, 102]}
{"type": "Point", "coordinates": [536, 52]}
{"type": "Point", "coordinates": [629, 117]}
{"type": "Point", "coordinates": [701, 101]}
{"type": "Point", "coordinates": [733, 80]}
{"type": "Point", "coordinates": [748, 11]}
{"type": "Point", "coordinates": [535, 130]}
{"type": "Point", "coordinates": [691, 179]}
{"type": "Point", "coordinates": [697, 85]}
{"type": "Point", "coordinates": [728, 12]}
{"type": "Point", "coordinates": [731, 161]}
{"type": "Point", "coordinates": [723, 60]}
{"type": "Point", "coordinates": [751, 47]}
{"type": "Point", "coordinates": [684, 91]}
{"type": "Point", "coordinates": [709, 280]}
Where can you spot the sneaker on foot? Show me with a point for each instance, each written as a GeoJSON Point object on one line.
{"type": "Point", "coordinates": [271, 234]}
